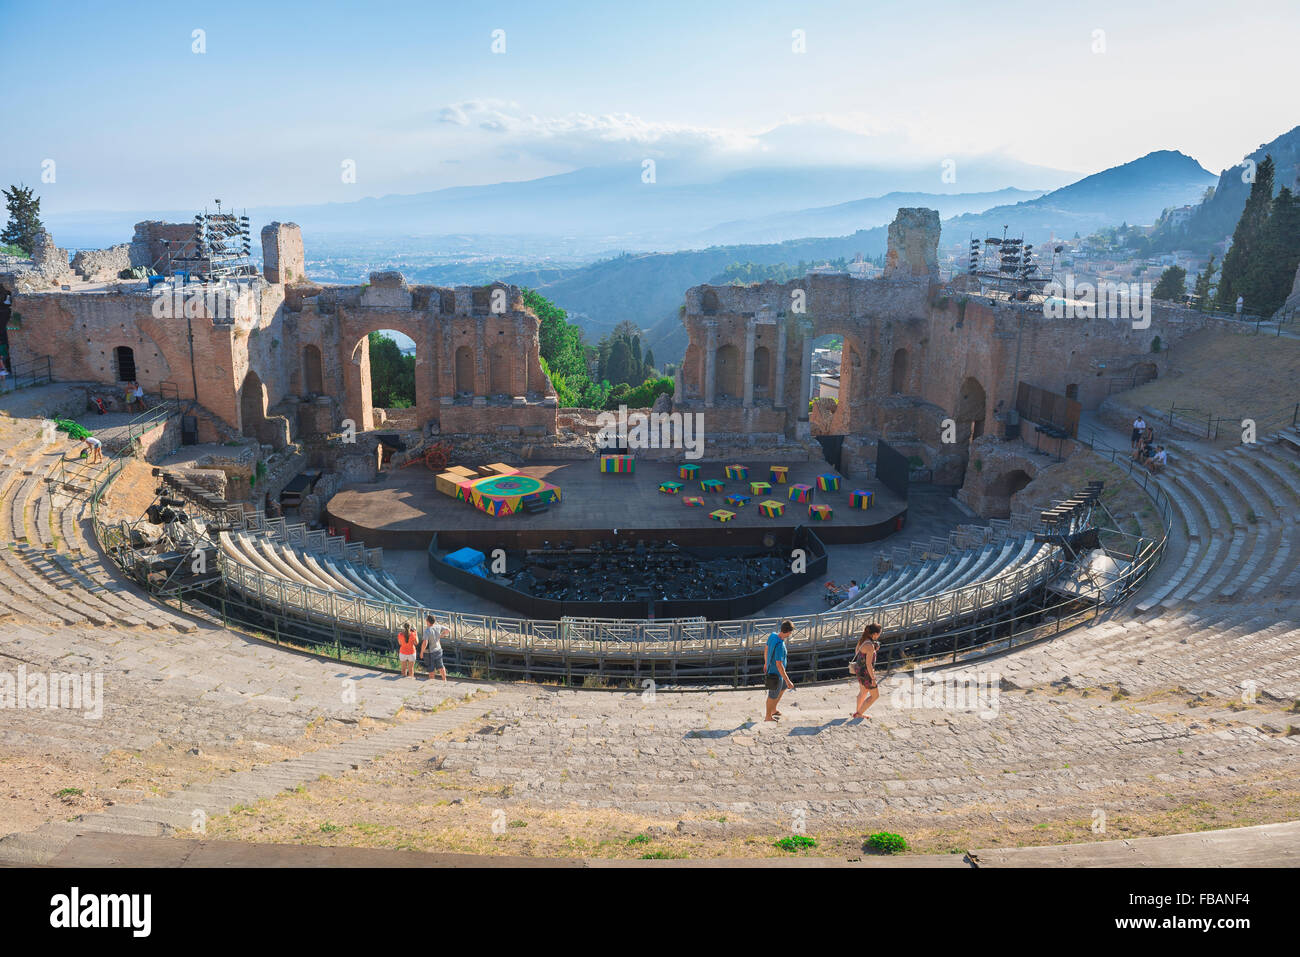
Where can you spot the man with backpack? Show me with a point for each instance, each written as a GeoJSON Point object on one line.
{"type": "Point", "coordinates": [775, 678]}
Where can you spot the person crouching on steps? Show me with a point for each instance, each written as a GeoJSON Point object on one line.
{"type": "Point", "coordinates": [864, 669]}
{"type": "Point", "coordinates": [774, 677]}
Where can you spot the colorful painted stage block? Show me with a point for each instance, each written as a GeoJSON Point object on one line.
{"type": "Point", "coordinates": [500, 495]}
{"type": "Point", "coordinates": [772, 508]}
{"type": "Point", "coordinates": [670, 488]}
{"type": "Point", "coordinates": [692, 501]}
{"type": "Point", "coordinates": [801, 493]}
{"type": "Point", "coordinates": [819, 513]}
{"type": "Point", "coordinates": [722, 515]}
{"type": "Point", "coordinates": [688, 472]}
{"type": "Point", "coordinates": [617, 464]}
{"type": "Point", "coordinates": [760, 488]}
{"type": "Point", "coordinates": [738, 501]}
{"type": "Point", "coordinates": [738, 473]}
{"type": "Point", "coordinates": [828, 482]}
{"type": "Point", "coordinates": [712, 485]}
{"type": "Point", "coordinates": [861, 499]}
{"type": "Point", "coordinates": [777, 474]}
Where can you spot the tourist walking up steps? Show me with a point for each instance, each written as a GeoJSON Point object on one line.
{"type": "Point", "coordinates": [432, 646]}
{"type": "Point", "coordinates": [775, 679]}
{"type": "Point", "coordinates": [863, 667]}
{"type": "Point", "coordinates": [406, 650]}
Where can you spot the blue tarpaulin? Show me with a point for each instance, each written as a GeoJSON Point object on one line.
{"type": "Point", "coordinates": [468, 559]}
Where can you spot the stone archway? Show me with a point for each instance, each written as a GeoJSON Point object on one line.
{"type": "Point", "coordinates": [729, 382]}
{"type": "Point", "coordinates": [313, 377]}
{"type": "Point", "coordinates": [252, 406]}
{"type": "Point", "coordinates": [898, 372]}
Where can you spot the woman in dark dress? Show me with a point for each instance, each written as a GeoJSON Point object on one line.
{"type": "Point", "coordinates": [864, 656]}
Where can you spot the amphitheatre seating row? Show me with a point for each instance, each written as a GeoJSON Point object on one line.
{"type": "Point", "coordinates": [313, 570]}
{"type": "Point", "coordinates": [1238, 511]}
{"type": "Point", "coordinates": [957, 569]}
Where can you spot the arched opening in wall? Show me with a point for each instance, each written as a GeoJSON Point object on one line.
{"type": "Point", "coordinates": [500, 372]}
{"type": "Point", "coordinates": [971, 405]}
{"type": "Point", "coordinates": [313, 377]}
{"type": "Point", "coordinates": [709, 303]}
{"type": "Point", "coordinates": [1003, 487]}
{"type": "Point", "coordinates": [252, 405]}
{"type": "Point", "coordinates": [124, 364]}
{"type": "Point", "coordinates": [1144, 373]}
{"type": "Point", "coordinates": [728, 373]}
{"type": "Point", "coordinates": [762, 371]}
{"type": "Point", "coordinates": [829, 391]}
{"type": "Point", "coordinates": [1072, 391]}
{"type": "Point", "coordinates": [898, 372]}
{"type": "Point", "coordinates": [465, 371]}
{"type": "Point", "coordinates": [392, 370]}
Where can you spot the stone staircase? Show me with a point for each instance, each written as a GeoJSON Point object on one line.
{"type": "Point", "coordinates": [1238, 513]}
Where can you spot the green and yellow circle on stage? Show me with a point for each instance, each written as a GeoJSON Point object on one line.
{"type": "Point", "coordinates": [504, 494]}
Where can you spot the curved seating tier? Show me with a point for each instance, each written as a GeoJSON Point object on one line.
{"type": "Point", "coordinates": [299, 567]}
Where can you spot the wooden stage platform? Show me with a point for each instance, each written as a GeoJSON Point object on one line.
{"type": "Point", "coordinates": [403, 509]}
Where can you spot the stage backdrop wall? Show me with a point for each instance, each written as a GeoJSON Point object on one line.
{"type": "Point", "coordinates": [892, 468]}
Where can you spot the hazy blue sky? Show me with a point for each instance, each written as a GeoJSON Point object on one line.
{"type": "Point", "coordinates": [414, 95]}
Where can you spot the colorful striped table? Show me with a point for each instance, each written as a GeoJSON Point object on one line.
{"type": "Point", "coordinates": [861, 499]}
{"type": "Point", "coordinates": [737, 472]}
{"type": "Point", "coordinates": [772, 508]}
{"type": "Point", "coordinates": [617, 464]}
{"type": "Point", "coordinates": [760, 488]}
{"type": "Point", "coordinates": [712, 485]}
{"type": "Point", "coordinates": [819, 513]}
{"type": "Point", "coordinates": [691, 501]}
{"type": "Point", "coordinates": [828, 482]}
{"type": "Point", "coordinates": [777, 474]}
{"type": "Point", "coordinates": [688, 473]}
{"type": "Point", "coordinates": [738, 501]}
{"type": "Point", "coordinates": [801, 493]}
{"type": "Point", "coordinates": [670, 488]}
{"type": "Point", "coordinates": [722, 515]}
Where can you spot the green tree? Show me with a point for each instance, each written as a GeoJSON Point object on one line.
{"type": "Point", "coordinates": [649, 361]}
{"type": "Point", "coordinates": [620, 370]}
{"type": "Point", "coordinates": [24, 218]}
{"type": "Point", "coordinates": [1172, 285]}
{"type": "Point", "coordinates": [392, 375]}
{"type": "Point", "coordinates": [1233, 280]}
{"type": "Point", "coordinates": [1272, 270]}
{"type": "Point", "coordinates": [1204, 288]}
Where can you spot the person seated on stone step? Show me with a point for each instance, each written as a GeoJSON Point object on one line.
{"type": "Point", "coordinates": [1157, 462]}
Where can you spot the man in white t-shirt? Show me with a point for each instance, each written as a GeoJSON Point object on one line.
{"type": "Point", "coordinates": [853, 591]}
{"type": "Point", "coordinates": [1139, 426]}
{"type": "Point", "coordinates": [1158, 461]}
{"type": "Point", "coordinates": [432, 646]}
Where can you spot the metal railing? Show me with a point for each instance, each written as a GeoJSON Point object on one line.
{"type": "Point", "coordinates": [33, 372]}
{"type": "Point", "coordinates": [1209, 425]}
{"type": "Point", "coordinates": [962, 624]}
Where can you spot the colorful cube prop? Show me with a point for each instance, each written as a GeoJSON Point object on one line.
{"type": "Point", "coordinates": [712, 485]}
{"type": "Point", "coordinates": [738, 473]}
{"type": "Point", "coordinates": [692, 501]}
{"type": "Point", "coordinates": [861, 499]}
{"type": "Point", "coordinates": [722, 515]}
{"type": "Point", "coordinates": [801, 493]}
{"type": "Point", "coordinates": [819, 513]}
{"type": "Point", "coordinates": [772, 508]}
{"type": "Point", "coordinates": [617, 464]}
{"type": "Point", "coordinates": [828, 482]}
{"type": "Point", "coordinates": [777, 474]}
{"type": "Point", "coordinates": [760, 488]}
{"type": "Point", "coordinates": [737, 501]}
{"type": "Point", "coordinates": [670, 488]}
{"type": "Point", "coordinates": [688, 473]}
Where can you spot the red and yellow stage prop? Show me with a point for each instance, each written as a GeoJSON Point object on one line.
{"type": "Point", "coordinates": [688, 473]}
{"type": "Point", "coordinates": [772, 508]}
{"type": "Point", "coordinates": [500, 495]}
{"type": "Point", "coordinates": [670, 488]}
{"type": "Point", "coordinates": [828, 482]}
{"type": "Point", "coordinates": [776, 474]}
{"type": "Point", "coordinates": [860, 499]}
{"type": "Point", "coordinates": [738, 473]}
{"type": "Point", "coordinates": [819, 513]}
{"type": "Point", "coordinates": [722, 515]}
{"type": "Point", "coordinates": [801, 493]}
{"type": "Point", "coordinates": [692, 501]}
{"type": "Point", "coordinates": [617, 464]}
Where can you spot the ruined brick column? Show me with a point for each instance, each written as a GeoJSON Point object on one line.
{"type": "Point", "coordinates": [710, 361]}
{"type": "Point", "coordinates": [805, 370]}
{"type": "Point", "coordinates": [778, 395]}
{"type": "Point", "coordinates": [749, 363]}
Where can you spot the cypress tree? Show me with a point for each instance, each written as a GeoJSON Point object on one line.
{"type": "Point", "coordinates": [24, 218]}
{"type": "Point", "coordinates": [1233, 281]}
